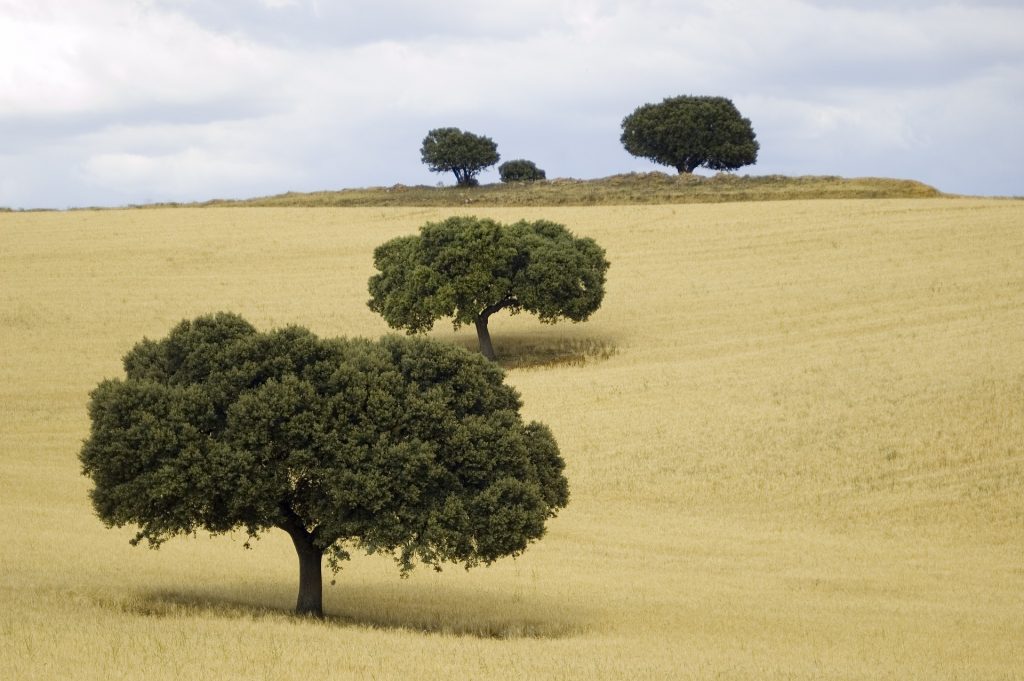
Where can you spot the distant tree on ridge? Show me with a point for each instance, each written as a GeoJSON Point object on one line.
{"type": "Point", "coordinates": [690, 132]}
{"type": "Point", "coordinates": [462, 153]}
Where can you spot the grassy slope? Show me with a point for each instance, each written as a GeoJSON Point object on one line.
{"type": "Point", "coordinates": [628, 189]}
{"type": "Point", "coordinates": [794, 436]}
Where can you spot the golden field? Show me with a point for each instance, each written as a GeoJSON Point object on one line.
{"type": "Point", "coordinates": [794, 435]}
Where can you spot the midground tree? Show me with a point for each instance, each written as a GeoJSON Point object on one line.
{"type": "Point", "coordinates": [469, 268]}
{"type": "Point", "coordinates": [690, 132]}
{"type": "Point", "coordinates": [404, 445]}
{"type": "Point", "coordinates": [462, 153]}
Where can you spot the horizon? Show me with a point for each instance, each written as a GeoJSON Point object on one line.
{"type": "Point", "coordinates": [896, 192]}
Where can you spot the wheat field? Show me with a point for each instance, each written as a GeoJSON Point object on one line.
{"type": "Point", "coordinates": [794, 437]}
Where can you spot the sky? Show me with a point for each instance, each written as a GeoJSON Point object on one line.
{"type": "Point", "coordinates": [121, 102]}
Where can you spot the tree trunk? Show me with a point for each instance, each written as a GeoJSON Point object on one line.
{"type": "Point", "coordinates": [311, 596]}
{"type": "Point", "coordinates": [483, 336]}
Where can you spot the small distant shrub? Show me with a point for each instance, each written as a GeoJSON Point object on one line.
{"type": "Point", "coordinates": [520, 170]}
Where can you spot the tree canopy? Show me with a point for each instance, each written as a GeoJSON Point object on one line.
{"type": "Point", "coordinates": [403, 445]}
{"type": "Point", "coordinates": [468, 268]}
{"type": "Point", "coordinates": [689, 132]}
{"type": "Point", "coordinates": [520, 170]}
{"type": "Point", "coordinates": [463, 153]}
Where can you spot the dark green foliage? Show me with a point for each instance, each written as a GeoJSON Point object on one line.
{"type": "Point", "coordinates": [463, 153]}
{"type": "Point", "coordinates": [690, 132]}
{"type": "Point", "coordinates": [520, 170]}
{"type": "Point", "coordinates": [405, 445]}
{"type": "Point", "coordinates": [468, 268]}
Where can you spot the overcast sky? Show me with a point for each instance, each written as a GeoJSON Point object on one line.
{"type": "Point", "coordinates": [115, 102]}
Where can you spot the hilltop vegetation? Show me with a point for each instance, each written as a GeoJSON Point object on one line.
{"type": "Point", "coordinates": [631, 188]}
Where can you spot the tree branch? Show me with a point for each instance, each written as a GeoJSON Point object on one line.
{"type": "Point", "coordinates": [507, 301]}
{"type": "Point", "coordinates": [293, 525]}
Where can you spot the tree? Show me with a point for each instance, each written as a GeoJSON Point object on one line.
{"type": "Point", "coordinates": [520, 170]}
{"type": "Point", "coordinates": [402, 445]}
{"type": "Point", "coordinates": [689, 132]}
{"type": "Point", "coordinates": [463, 153]}
{"type": "Point", "coordinates": [468, 268]}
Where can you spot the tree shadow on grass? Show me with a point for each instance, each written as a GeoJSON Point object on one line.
{"type": "Point", "coordinates": [538, 350]}
{"type": "Point", "coordinates": [446, 610]}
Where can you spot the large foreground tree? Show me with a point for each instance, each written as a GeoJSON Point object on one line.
{"type": "Point", "coordinates": [462, 153]}
{"type": "Point", "coordinates": [405, 446]}
{"type": "Point", "coordinates": [689, 132]}
{"type": "Point", "coordinates": [468, 268]}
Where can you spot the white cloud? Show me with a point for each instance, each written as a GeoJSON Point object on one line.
{"type": "Point", "coordinates": [154, 99]}
{"type": "Point", "coordinates": [110, 56]}
{"type": "Point", "coordinates": [182, 175]}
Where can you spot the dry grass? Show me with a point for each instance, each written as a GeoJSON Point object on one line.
{"type": "Point", "coordinates": [794, 432]}
{"type": "Point", "coordinates": [626, 189]}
